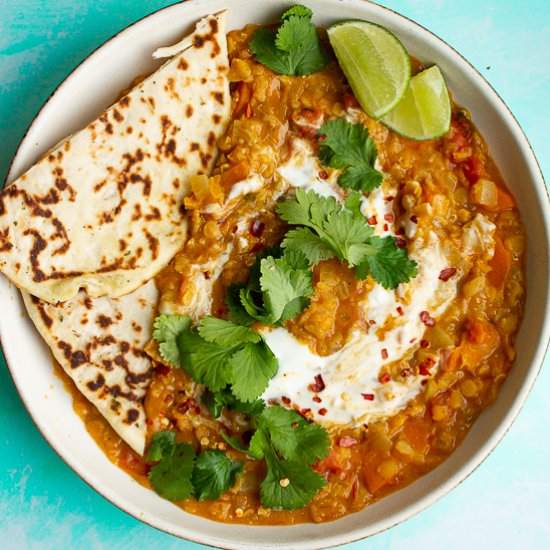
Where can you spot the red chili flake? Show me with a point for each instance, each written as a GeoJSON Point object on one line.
{"type": "Point", "coordinates": [384, 353]}
{"type": "Point", "coordinates": [405, 373]}
{"type": "Point", "coordinates": [385, 378]}
{"type": "Point", "coordinates": [169, 399]}
{"type": "Point", "coordinates": [400, 231]}
{"type": "Point", "coordinates": [321, 138]}
{"type": "Point", "coordinates": [323, 174]}
{"type": "Point", "coordinates": [388, 218]}
{"type": "Point", "coordinates": [368, 396]}
{"type": "Point", "coordinates": [257, 247]}
{"type": "Point", "coordinates": [285, 400]}
{"type": "Point", "coordinates": [149, 422]}
{"type": "Point", "coordinates": [385, 227]}
{"type": "Point", "coordinates": [162, 369]}
{"type": "Point", "coordinates": [389, 198]}
{"type": "Point", "coordinates": [322, 411]}
{"type": "Point", "coordinates": [400, 243]}
{"type": "Point", "coordinates": [447, 273]}
{"type": "Point", "coordinates": [372, 322]}
{"type": "Point", "coordinates": [427, 319]}
{"type": "Point", "coordinates": [257, 228]}
{"type": "Point", "coordinates": [249, 111]}
{"type": "Point", "coordinates": [347, 441]}
{"type": "Point", "coordinates": [188, 404]}
{"type": "Point", "coordinates": [423, 371]}
{"type": "Point", "coordinates": [366, 426]}
{"type": "Point", "coordinates": [400, 311]}
{"type": "Point", "coordinates": [425, 366]}
{"type": "Point", "coordinates": [206, 274]}
{"type": "Point", "coordinates": [235, 229]}
{"type": "Point", "coordinates": [305, 411]}
{"type": "Point", "coordinates": [424, 343]}
{"type": "Point", "coordinates": [295, 424]}
{"type": "Point", "coordinates": [318, 386]}
{"type": "Point", "coordinates": [317, 399]}
{"type": "Point", "coordinates": [414, 219]}
{"type": "Point", "coordinates": [221, 310]}
{"type": "Point", "coordinates": [412, 340]}
{"type": "Point", "coordinates": [371, 220]}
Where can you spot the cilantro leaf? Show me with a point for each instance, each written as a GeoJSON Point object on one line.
{"type": "Point", "coordinates": [259, 442]}
{"type": "Point", "coordinates": [296, 259]}
{"type": "Point", "coordinates": [167, 328]}
{"type": "Point", "coordinates": [267, 53]}
{"type": "Point", "coordinates": [294, 49]}
{"type": "Point", "coordinates": [161, 445]}
{"type": "Point", "coordinates": [336, 230]}
{"type": "Point", "coordinates": [293, 436]}
{"type": "Point", "coordinates": [289, 485]}
{"type": "Point", "coordinates": [335, 226]}
{"type": "Point", "coordinates": [234, 442]}
{"type": "Point", "coordinates": [214, 474]}
{"type": "Point", "coordinates": [254, 365]}
{"type": "Point", "coordinates": [171, 477]}
{"type": "Point", "coordinates": [224, 333]}
{"type": "Point", "coordinates": [299, 11]}
{"type": "Point", "coordinates": [353, 204]}
{"type": "Point", "coordinates": [237, 313]}
{"type": "Point", "coordinates": [180, 475]}
{"type": "Point", "coordinates": [387, 264]}
{"type": "Point", "coordinates": [216, 401]}
{"type": "Point", "coordinates": [284, 289]}
{"type": "Point", "coordinates": [306, 241]}
{"type": "Point", "coordinates": [228, 357]}
{"type": "Point", "coordinates": [278, 289]}
{"type": "Point", "coordinates": [349, 146]}
{"type": "Point", "coordinates": [206, 362]}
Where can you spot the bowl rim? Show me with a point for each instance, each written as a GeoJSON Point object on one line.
{"type": "Point", "coordinates": [472, 464]}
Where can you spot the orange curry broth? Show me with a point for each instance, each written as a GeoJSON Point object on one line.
{"type": "Point", "coordinates": [479, 327]}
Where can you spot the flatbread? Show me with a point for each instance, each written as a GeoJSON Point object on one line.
{"type": "Point", "coordinates": [103, 211]}
{"type": "Point", "coordinates": [99, 343]}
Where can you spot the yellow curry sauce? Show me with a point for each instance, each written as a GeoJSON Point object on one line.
{"type": "Point", "coordinates": [453, 178]}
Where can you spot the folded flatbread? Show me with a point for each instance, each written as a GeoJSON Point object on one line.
{"type": "Point", "coordinates": [102, 212]}
{"type": "Point", "coordinates": [86, 229]}
{"type": "Point", "coordinates": [99, 343]}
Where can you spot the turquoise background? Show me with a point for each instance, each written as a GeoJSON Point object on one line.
{"type": "Point", "coordinates": [504, 504]}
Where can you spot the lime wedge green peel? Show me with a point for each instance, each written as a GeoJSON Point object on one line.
{"type": "Point", "coordinates": [425, 111]}
{"type": "Point", "coordinates": [375, 63]}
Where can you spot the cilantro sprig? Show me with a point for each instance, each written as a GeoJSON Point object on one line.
{"type": "Point", "coordinates": [180, 474]}
{"type": "Point", "coordinates": [295, 48]}
{"type": "Point", "coordinates": [329, 230]}
{"type": "Point", "coordinates": [216, 401]}
{"type": "Point", "coordinates": [217, 354]}
{"type": "Point", "coordinates": [290, 445]}
{"type": "Point", "coordinates": [278, 289]}
{"type": "Point", "coordinates": [349, 146]}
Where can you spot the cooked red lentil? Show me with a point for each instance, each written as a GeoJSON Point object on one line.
{"type": "Point", "coordinates": [454, 178]}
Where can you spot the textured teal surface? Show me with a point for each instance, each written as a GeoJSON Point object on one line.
{"type": "Point", "coordinates": [504, 504]}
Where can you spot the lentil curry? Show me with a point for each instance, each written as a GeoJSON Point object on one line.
{"type": "Point", "coordinates": [447, 187]}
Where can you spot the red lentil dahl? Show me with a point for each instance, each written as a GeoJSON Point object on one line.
{"type": "Point", "coordinates": [454, 172]}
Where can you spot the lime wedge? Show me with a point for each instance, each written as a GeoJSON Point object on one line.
{"type": "Point", "coordinates": [425, 111]}
{"type": "Point", "coordinates": [375, 63]}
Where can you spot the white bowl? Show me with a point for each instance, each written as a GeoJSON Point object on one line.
{"type": "Point", "coordinates": [93, 86]}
